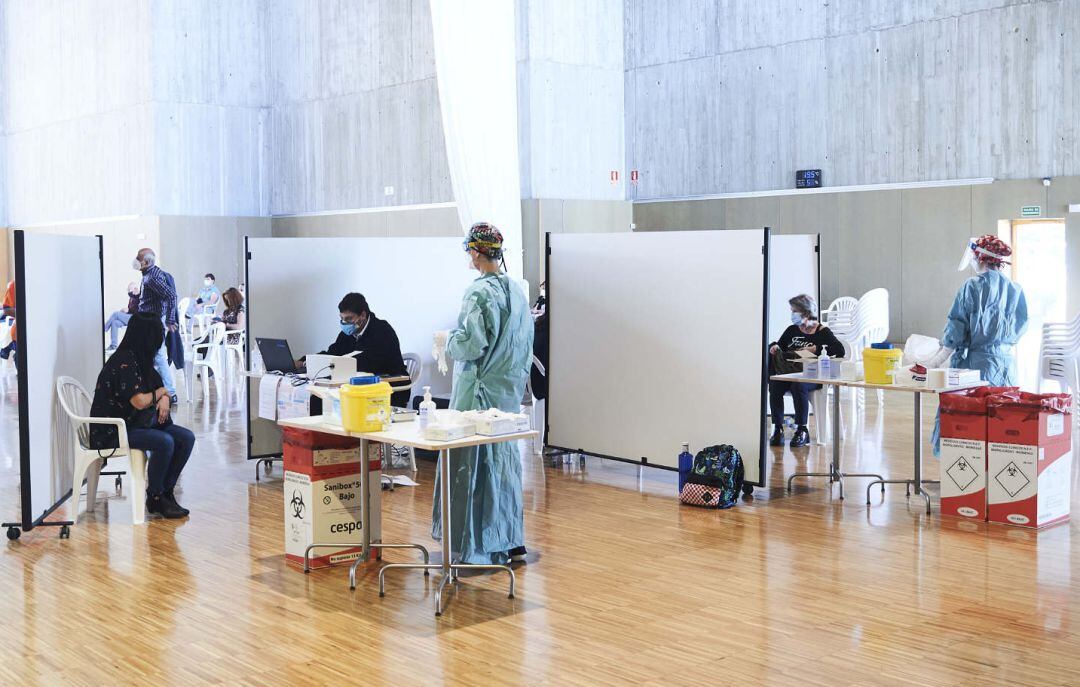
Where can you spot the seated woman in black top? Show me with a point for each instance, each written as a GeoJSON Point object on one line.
{"type": "Point", "coordinates": [130, 388]}
{"type": "Point", "coordinates": [805, 333]}
{"type": "Point", "coordinates": [377, 342]}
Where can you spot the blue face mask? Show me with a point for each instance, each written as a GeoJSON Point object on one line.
{"type": "Point", "coordinates": [348, 329]}
{"type": "Point", "coordinates": [796, 318]}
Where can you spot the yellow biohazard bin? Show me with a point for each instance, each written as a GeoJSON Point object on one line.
{"type": "Point", "coordinates": [879, 363]}
{"type": "Point", "coordinates": [365, 407]}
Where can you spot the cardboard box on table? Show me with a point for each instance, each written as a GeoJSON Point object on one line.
{"type": "Point", "coordinates": [322, 496]}
{"type": "Point", "coordinates": [963, 451]}
{"type": "Point", "coordinates": [1029, 458]}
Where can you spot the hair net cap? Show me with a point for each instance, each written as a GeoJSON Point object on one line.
{"type": "Point", "coordinates": [485, 239]}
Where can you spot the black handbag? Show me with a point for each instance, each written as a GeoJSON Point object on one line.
{"type": "Point", "coordinates": [782, 366]}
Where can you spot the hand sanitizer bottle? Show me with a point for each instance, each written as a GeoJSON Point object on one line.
{"type": "Point", "coordinates": [427, 409]}
{"type": "Point", "coordinates": [825, 364]}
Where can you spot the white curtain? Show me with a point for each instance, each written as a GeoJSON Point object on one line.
{"type": "Point", "coordinates": [476, 65]}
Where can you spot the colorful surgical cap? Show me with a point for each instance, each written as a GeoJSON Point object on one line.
{"type": "Point", "coordinates": [485, 239]}
{"type": "Point", "coordinates": [991, 251]}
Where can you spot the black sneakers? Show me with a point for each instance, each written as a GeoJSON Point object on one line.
{"type": "Point", "coordinates": [517, 554]}
{"type": "Point", "coordinates": [777, 438]}
{"type": "Point", "coordinates": [160, 504]}
{"type": "Point", "coordinates": [801, 438]}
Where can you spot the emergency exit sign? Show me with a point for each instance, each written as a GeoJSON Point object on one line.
{"type": "Point", "coordinates": [1031, 211]}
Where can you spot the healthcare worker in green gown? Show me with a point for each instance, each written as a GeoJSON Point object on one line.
{"type": "Point", "coordinates": [492, 353]}
{"type": "Point", "coordinates": [987, 318]}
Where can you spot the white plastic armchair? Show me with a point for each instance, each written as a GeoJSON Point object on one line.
{"type": "Point", "coordinates": [75, 402]}
{"type": "Point", "coordinates": [414, 365]}
{"type": "Point", "coordinates": [213, 358]}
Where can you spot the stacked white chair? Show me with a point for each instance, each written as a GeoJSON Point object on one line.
{"type": "Point", "coordinates": [414, 366]}
{"type": "Point", "coordinates": [212, 360]}
{"type": "Point", "coordinates": [234, 351]}
{"type": "Point", "coordinates": [857, 323]}
{"type": "Point", "coordinates": [75, 403]}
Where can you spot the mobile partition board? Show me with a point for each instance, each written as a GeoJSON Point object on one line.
{"type": "Point", "coordinates": [59, 318]}
{"type": "Point", "coordinates": [294, 286]}
{"type": "Point", "coordinates": [795, 261]}
{"type": "Point", "coordinates": [658, 338]}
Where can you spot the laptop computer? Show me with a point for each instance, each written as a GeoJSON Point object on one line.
{"type": "Point", "coordinates": [276, 355]}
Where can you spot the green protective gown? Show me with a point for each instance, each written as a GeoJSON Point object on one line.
{"type": "Point", "coordinates": [492, 352]}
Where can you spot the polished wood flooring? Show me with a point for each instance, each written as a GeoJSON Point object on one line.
{"type": "Point", "coordinates": [623, 586]}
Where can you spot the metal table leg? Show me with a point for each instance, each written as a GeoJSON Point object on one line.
{"type": "Point", "coordinates": [917, 481]}
{"type": "Point", "coordinates": [450, 569]}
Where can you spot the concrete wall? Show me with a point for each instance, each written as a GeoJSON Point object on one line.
{"type": "Point", "coordinates": [908, 241]}
{"type": "Point", "coordinates": [356, 106]}
{"type": "Point", "coordinates": [570, 98]}
{"type": "Point", "coordinates": [735, 95]}
{"type": "Point", "coordinates": [211, 89]}
{"type": "Point", "coordinates": [76, 109]}
{"type": "Point", "coordinates": [193, 246]}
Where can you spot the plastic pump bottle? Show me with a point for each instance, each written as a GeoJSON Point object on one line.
{"type": "Point", "coordinates": [686, 464]}
{"type": "Point", "coordinates": [825, 364]}
{"type": "Point", "coordinates": [427, 408]}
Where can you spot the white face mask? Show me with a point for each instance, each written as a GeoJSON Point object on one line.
{"type": "Point", "coordinates": [207, 282]}
{"type": "Point", "coordinates": [136, 265]}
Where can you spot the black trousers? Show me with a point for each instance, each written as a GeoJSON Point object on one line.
{"type": "Point", "coordinates": [800, 394]}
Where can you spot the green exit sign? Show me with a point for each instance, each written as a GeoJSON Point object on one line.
{"type": "Point", "coordinates": [1031, 211]}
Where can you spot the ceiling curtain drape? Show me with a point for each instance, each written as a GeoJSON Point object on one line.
{"type": "Point", "coordinates": [476, 66]}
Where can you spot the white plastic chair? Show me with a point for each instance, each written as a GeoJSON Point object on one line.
{"type": "Point", "coordinates": [537, 409]}
{"type": "Point", "coordinates": [235, 350]}
{"type": "Point", "coordinates": [212, 360]}
{"type": "Point", "coordinates": [75, 403]}
{"type": "Point", "coordinates": [840, 315]}
{"type": "Point", "coordinates": [414, 366]}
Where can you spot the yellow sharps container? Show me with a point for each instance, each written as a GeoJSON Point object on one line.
{"type": "Point", "coordinates": [365, 405]}
{"type": "Point", "coordinates": [880, 361]}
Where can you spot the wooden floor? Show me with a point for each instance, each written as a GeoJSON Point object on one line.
{"type": "Point", "coordinates": [623, 586]}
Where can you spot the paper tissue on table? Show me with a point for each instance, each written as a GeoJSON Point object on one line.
{"type": "Point", "coordinates": [448, 425]}
{"type": "Point", "coordinates": [494, 422]}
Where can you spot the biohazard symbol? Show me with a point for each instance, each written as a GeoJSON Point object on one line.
{"type": "Point", "coordinates": [297, 504]}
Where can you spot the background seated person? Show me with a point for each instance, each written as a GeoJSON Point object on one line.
{"type": "Point", "coordinates": [375, 342]}
{"type": "Point", "coordinates": [207, 299]}
{"type": "Point", "coordinates": [805, 333]}
{"type": "Point", "coordinates": [119, 319]}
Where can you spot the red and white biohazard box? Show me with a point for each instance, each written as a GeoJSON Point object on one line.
{"type": "Point", "coordinates": [963, 451]}
{"type": "Point", "coordinates": [1029, 458]}
{"type": "Point", "coordinates": [322, 496]}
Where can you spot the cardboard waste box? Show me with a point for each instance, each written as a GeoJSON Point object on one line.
{"type": "Point", "coordinates": [1029, 458]}
{"type": "Point", "coordinates": [963, 451]}
{"type": "Point", "coordinates": [322, 496]}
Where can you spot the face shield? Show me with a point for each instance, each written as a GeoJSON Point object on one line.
{"type": "Point", "coordinates": [968, 258]}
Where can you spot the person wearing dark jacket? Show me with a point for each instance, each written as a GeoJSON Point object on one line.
{"type": "Point", "coordinates": [374, 341]}
{"type": "Point", "coordinates": [804, 334]}
{"type": "Point", "coordinates": [538, 379]}
{"type": "Point", "coordinates": [130, 388]}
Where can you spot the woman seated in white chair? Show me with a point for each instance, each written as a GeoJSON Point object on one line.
{"type": "Point", "coordinates": [804, 334]}
{"type": "Point", "coordinates": [130, 388]}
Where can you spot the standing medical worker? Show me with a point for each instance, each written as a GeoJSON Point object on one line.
{"type": "Point", "coordinates": [988, 316]}
{"type": "Point", "coordinates": [492, 350]}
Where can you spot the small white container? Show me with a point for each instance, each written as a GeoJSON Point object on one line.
{"type": "Point", "coordinates": [448, 432]}
{"type": "Point", "coordinates": [851, 371]}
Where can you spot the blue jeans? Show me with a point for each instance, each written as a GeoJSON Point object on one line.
{"type": "Point", "coordinates": [161, 364]}
{"type": "Point", "coordinates": [800, 394]}
{"type": "Point", "coordinates": [117, 321]}
{"type": "Point", "coordinates": [169, 448]}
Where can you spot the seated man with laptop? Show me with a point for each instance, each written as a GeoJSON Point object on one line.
{"type": "Point", "coordinates": [371, 341]}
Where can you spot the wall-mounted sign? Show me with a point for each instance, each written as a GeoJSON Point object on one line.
{"type": "Point", "coordinates": [808, 178]}
{"type": "Point", "coordinates": [1031, 211]}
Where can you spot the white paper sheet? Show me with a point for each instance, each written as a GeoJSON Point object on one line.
{"type": "Point", "coordinates": [292, 402]}
{"type": "Point", "coordinates": [268, 392]}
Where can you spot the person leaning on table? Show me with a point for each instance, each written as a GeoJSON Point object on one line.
{"type": "Point", "coordinates": [804, 334]}
{"type": "Point", "coordinates": [130, 388]}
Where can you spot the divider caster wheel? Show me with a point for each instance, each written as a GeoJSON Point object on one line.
{"type": "Point", "coordinates": [65, 532]}
{"type": "Point", "coordinates": [267, 466]}
{"type": "Point", "coordinates": [748, 489]}
{"type": "Point", "coordinates": [13, 533]}
{"type": "Point", "coordinates": [119, 483]}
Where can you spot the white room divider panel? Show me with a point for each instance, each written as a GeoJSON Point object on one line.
{"type": "Point", "coordinates": [295, 284]}
{"type": "Point", "coordinates": [658, 338]}
{"type": "Point", "coordinates": [59, 318]}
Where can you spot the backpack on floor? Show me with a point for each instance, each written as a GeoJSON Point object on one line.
{"type": "Point", "coordinates": [716, 478]}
